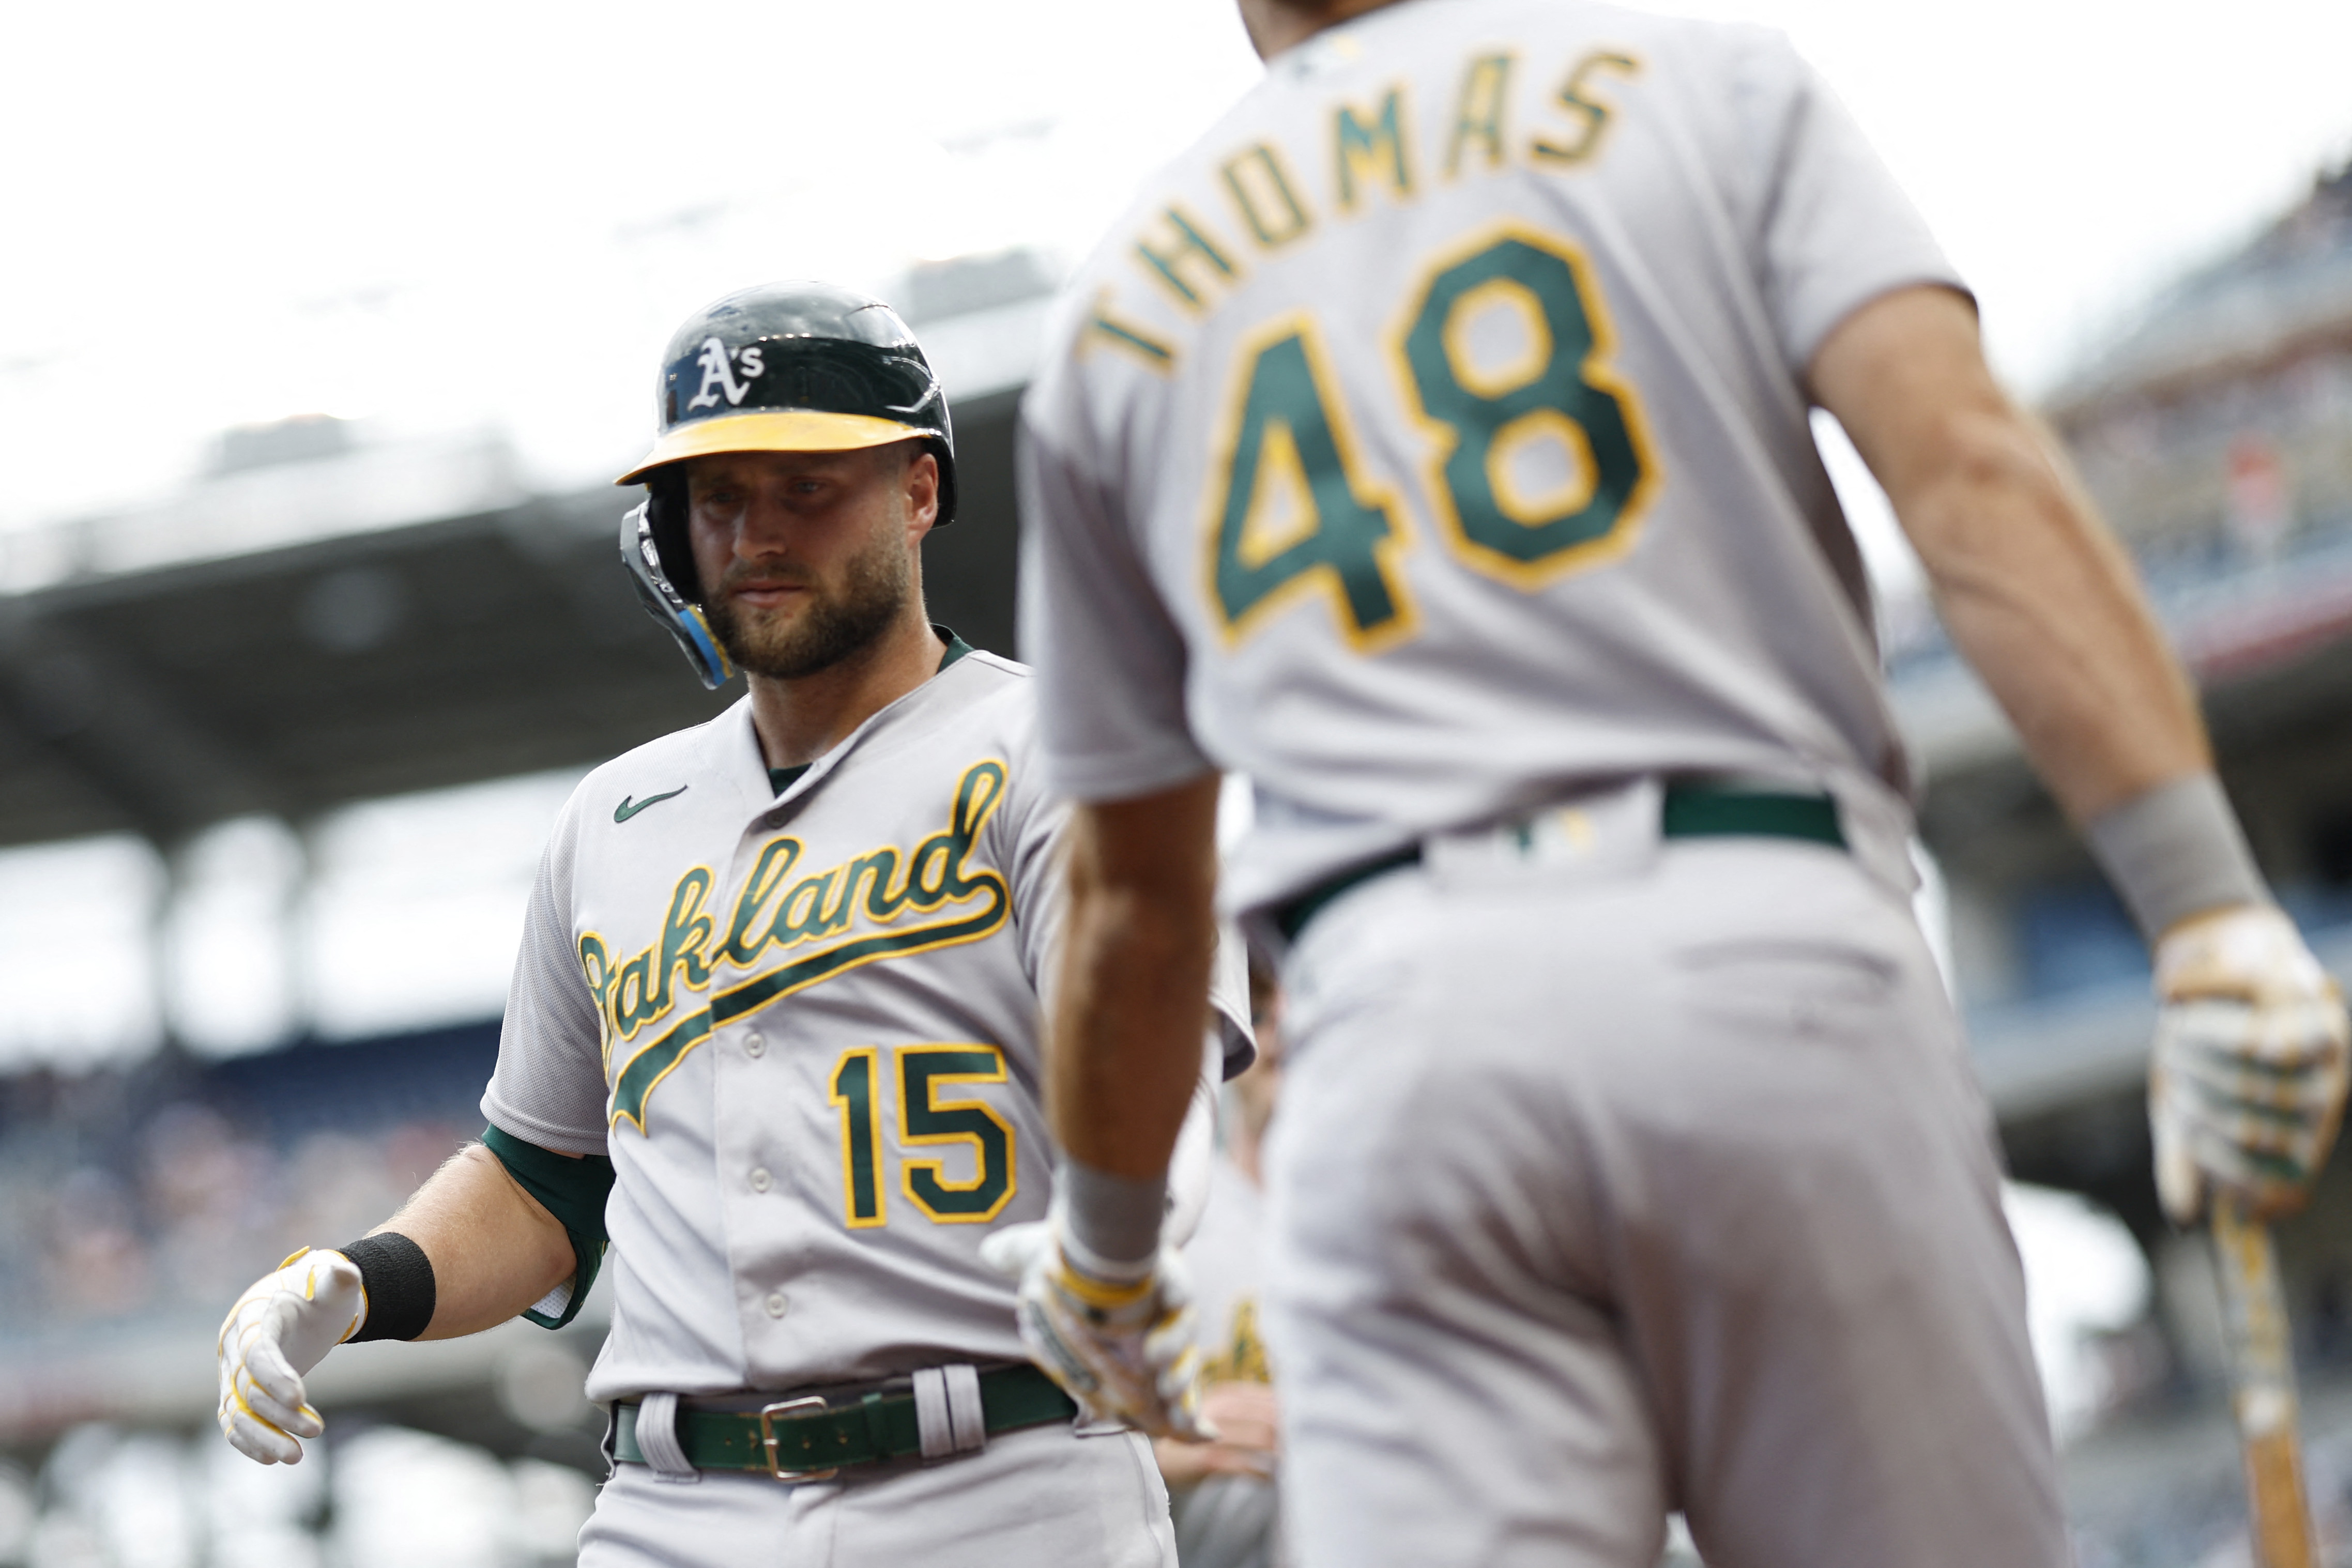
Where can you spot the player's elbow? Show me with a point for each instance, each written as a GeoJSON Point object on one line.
{"type": "Point", "coordinates": [1140, 931]}
{"type": "Point", "coordinates": [1161, 915]}
{"type": "Point", "coordinates": [1142, 884]}
{"type": "Point", "coordinates": [1987, 492]}
{"type": "Point", "coordinates": [1158, 851]}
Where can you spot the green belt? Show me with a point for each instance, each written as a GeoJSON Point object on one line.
{"type": "Point", "coordinates": [793, 1437]}
{"type": "Point", "coordinates": [1691, 810]}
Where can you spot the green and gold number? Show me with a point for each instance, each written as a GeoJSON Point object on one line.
{"type": "Point", "coordinates": [924, 1121]}
{"type": "Point", "coordinates": [1295, 506]}
{"type": "Point", "coordinates": [861, 1137]}
{"type": "Point", "coordinates": [1554, 391]}
{"type": "Point", "coordinates": [1294, 510]}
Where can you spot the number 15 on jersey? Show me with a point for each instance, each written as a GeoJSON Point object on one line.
{"type": "Point", "coordinates": [926, 1122]}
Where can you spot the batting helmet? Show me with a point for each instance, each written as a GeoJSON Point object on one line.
{"type": "Point", "coordinates": [785, 367]}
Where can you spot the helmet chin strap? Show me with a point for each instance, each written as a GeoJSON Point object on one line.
{"type": "Point", "coordinates": [684, 621]}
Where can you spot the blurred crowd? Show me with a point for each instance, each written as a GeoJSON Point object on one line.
{"type": "Point", "coordinates": [175, 1209]}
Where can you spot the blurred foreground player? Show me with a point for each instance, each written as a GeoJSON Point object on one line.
{"type": "Point", "coordinates": [774, 1022]}
{"type": "Point", "coordinates": [1222, 1494]}
{"type": "Point", "coordinates": [1430, 445]}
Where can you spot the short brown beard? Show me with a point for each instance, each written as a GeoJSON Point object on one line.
{"type": "Point", "coordinates": [875, 588]}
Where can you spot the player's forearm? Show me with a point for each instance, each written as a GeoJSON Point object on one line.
{"type": "Point", "coordinates": [2043, 603]}
{"type": "Point", "coordinates": [494, 1251]}
{"type": "Point", "coordinates": [1125, 1045]}
{"type": "Point", "coordinates": [2034, 589]}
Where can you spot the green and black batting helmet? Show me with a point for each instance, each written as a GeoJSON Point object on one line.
{"type": "Point", "coordinates": [782, 367]}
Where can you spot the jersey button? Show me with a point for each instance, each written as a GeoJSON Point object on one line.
{"type": "Point", "coordinates": [776, 1303]}
{"type": "Point", "coordinates": [755, 1044]}
{"type": "Point", "coordinates": [759, 1178]}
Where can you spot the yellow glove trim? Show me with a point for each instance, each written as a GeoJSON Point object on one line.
{"type": "Point", "coordinates": [1102, 1297]}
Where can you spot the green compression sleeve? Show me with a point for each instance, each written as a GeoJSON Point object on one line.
{"type": "Point", "coordinates": [573, 1191]}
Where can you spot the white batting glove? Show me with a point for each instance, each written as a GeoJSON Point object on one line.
{"type": "Point", "coordinates": [2248, 1081]}
{"type": "Point", "coordinates": [1121, 1347]}
{"type": "Point", "coordinates": [282, 1326]}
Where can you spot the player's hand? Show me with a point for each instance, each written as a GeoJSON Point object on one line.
{"type": "Point", "coordinates": [2247, 1083]}
{"type": "Point", "coordinates": [1122, 1349]}
{"type": "Point", "coordinates": [278, 1330]}
{"type": "Point", "coordinates": [1246, 1416]}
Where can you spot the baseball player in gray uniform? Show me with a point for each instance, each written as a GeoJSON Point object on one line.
{"type": "Point", "coordinates": [1430, 445]}
{"type": "Point", "coordinates": [773, 1029]}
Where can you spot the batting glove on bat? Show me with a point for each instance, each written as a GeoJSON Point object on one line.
{"type": "Point", "coordinates": [2247, 1083]}
{"type": "Point", "coordinates": [282, 1326]}
{"type": "Point", "coordinates": [1119, 1342]}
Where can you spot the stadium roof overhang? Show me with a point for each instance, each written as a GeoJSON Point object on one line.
{"type": "Point", "coordinates": [159, 689]}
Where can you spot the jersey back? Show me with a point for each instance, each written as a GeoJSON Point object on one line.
{"type": "Point", "coordinates": [1431, 439]}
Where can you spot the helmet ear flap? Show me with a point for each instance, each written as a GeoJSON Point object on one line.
{"type": "Point", "coordinates": [683, 620]}
{"type": "Point", "coordinates": [666, 509]}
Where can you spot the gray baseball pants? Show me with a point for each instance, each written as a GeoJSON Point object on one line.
{"type": "Point", "coordinates": [1040, 1496]}
{"type": "Point", "coordinates": [1601, 1190]}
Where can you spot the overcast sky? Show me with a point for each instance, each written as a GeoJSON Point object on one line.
{"type": "Point", "coordinates": [451, 215]}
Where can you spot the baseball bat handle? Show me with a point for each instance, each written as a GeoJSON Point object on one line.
{"type": "Point", "coordinates": [2261, 1382]}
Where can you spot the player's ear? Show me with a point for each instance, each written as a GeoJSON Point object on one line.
{"type": "Point", "coordinates": [919, 477]}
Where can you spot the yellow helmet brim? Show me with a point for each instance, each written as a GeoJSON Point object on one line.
{"type": "Point", "coordinates": [771, 430]}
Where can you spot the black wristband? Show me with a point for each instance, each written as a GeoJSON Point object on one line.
{"type": "Point", "coordinates": [398, 1279]}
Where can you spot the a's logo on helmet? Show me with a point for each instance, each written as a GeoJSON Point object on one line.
{"type": "Point", "coordinates": [718, 374]}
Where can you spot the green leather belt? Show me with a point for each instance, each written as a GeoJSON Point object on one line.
{"type": "Point", "coordinates": [1691, 810]}
{"type": "Point", "coordinates": [803, 1439]}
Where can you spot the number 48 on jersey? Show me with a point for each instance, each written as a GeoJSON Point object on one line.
{"type": "Point", "coordinates": [1542, 461]}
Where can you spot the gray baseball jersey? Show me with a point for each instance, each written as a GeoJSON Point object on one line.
{"type": "Point", "coordinates": [1430, 437]}
{"type": "Point", "coordinates": [804, 1027]}
{"type": "Point", "coordinates": [1430, 445]}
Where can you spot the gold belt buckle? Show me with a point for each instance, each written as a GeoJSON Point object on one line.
{"type": "Point", "coordinates": [768, 1414]}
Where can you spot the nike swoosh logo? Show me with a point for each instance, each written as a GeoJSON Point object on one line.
{"type": "Point", "coordinates": [627, 808]}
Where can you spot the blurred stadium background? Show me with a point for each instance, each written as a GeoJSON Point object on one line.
{"type": "Point", "coordinates": [279, 744]}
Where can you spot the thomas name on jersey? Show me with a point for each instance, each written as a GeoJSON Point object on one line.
{"type": "Point", "coordinates": [1369, 147]}
{"type": "Point", "coordinates": [1538, 459]}
{"type": "Point", "coordinates": [915, 900]}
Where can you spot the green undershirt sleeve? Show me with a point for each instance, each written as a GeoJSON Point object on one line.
{"type": "Point", "coordinates": [573, 1191]}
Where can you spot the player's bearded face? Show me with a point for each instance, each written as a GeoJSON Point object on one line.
{"type": "Point", "coordinates": [840, 617]}
{"type": "Point", "coordinates": [847, 561]}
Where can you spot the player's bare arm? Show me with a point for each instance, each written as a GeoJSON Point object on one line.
{"type": "Point", "coordinates": [2248, 1078]}
{"type": "Point", "coordinates": [470, 1250]}
{"type": "Point", "coordinates": [2248, 1074]}
{"type": "Point", "coordinates": [1124, 1036]}
{"type": "Point", "coordinates": [2034, 589]}
{"type": "Point", "coordinates": [493, 1247]}
{"type": "Point", "coordinates": [1104, 1306]}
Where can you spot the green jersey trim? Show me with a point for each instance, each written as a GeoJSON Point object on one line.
{"type": "Point", "coordinates": [573, 1191]}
